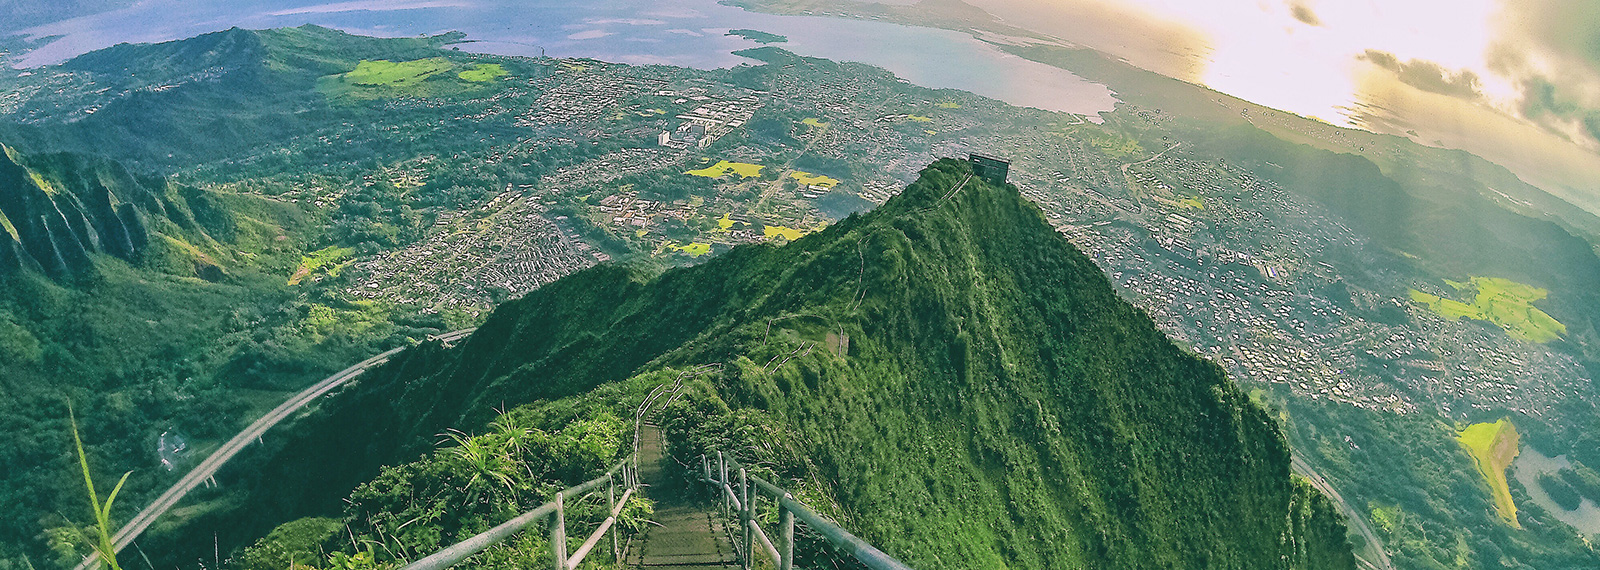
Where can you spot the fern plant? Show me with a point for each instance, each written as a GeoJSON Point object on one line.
{"type": "Point", "coordinates": [104, 547]}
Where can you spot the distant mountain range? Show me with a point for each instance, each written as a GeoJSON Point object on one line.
{"type": "Point", "coordinates": [58, 209]}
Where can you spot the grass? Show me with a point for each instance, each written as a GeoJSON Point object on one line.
{"type": "Point", "coordinates": [919, 118]}
{"type": "Point", "coordinates": [790, 234]}
{"type": "Point", "coordinates": [5, 224]}
{"type": "Point", "coordinates": [724, 168]}
{"type": "Point", "coordinates": [103, 546]}
{"type": "Point", "coordinates": [1493, 448]}
{"type": "Point", "coordinates": [483, 72]}
{"type": "Point", "coordinates": [319, 259]}
{"type": "Point", "coordinates": [813, 122]}
{"type": "Point", "coordinates": [1500, 301]}
{"type": "Point", "coordinates": [810, 179]}
{"type": "Point", "coordinates": [694, 249]}
{"type": "Point", "coordinates": [949, 105]}
{"type": "Point", "coordinates": [393, 74]}
{"type": "Point", "coordinates": [1192, 203]}
{"type": "Point", "coordinates": [430, 77]}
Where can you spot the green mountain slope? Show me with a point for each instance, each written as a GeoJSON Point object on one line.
{"type": "Point", "coordinates": [965, 385]}
{"type": "Point", "coordinates": [157, 309]}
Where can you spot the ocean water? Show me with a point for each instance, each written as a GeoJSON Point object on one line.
{"type": "Point", "coordinates": [688, 33]}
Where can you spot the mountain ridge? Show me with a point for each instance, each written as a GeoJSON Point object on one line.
{"type": "Point", "coordinates": [983, 395]}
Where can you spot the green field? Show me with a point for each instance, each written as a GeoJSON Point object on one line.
{"type": "Point", "coordinates": [1500, 301]}
{"type": "Point", "coordinates": [483, 72]}
{"type": "Point", "coordinates": [694, 249]}
{"type": "Point", "coordinates": [724, 168]}
{"type": "Point", "coordinates": [810, 179]}
{"type": "Point", "coordinates": [1192, 203]}
{"type": "Point", "coordinates": [790, 234]}
{"type": "Point", "coordinates": [919, 118]}
{"type": "Point", "coordinates": [949, 105]}
{"type": "Point", "coordinates": [1493, 448]}
{"type": "Point", "coordinates": [328, 256]}
{"type": "Point", "coordinates": [401, 74]}
{"type": "Point", "coordinates": [813, 122]}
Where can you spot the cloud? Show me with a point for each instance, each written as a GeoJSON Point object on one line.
{"type": "Point", "coordinates": [589, 35]}
{"type": "Point", "coordinates": [1427, 75]}
{"type": "Point", "coordinates": [628, 21]}
{"type": "Point", "coordinates": [369, 6]}
{"type": "Point", "coordinates": [1303, 13]}
{"type": "Point", "coordinates": [1551, 50]}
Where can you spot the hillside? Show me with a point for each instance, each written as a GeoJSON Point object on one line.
{"type": "Point", "coordinates": [160, 311]}
{"type": "Point", "coordinates": [959, 379]}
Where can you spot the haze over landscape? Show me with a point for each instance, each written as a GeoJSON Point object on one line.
{"type": "Point", "coordinates": [1295, 284]}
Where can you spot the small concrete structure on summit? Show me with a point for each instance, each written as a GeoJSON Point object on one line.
{"type": "Point", "coordinates": [991, 169]}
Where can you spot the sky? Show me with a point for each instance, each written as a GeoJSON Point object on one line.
{"type": "Point", "coordinates": [1515, 81]}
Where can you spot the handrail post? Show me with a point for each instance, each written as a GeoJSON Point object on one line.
{"type": "Point", "coordinates": [745, 515]}
{"type": "Point", "coordinates": [611, 502]}
{"type": "Point", "coordinates": [558, 535]}
{"type": "Point", "coordinates": [786, 523]}
{"type": "Point", "coordinates": [722, 470]}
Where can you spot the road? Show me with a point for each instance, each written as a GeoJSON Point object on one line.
{"type": "Point", "coordinates": [1352, 517]}
{"type": "Point", "coordinates": [208, 468]}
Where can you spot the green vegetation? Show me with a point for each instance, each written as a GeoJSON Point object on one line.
{"type": "Point", "coordinates": [427, 77]}
{"type": "Point", "coordinates": [724, 168]}
{"type": "Point", "coordinates": [1494, 446]}
{"type": "Point", "coordinates": [1560, 491]}
{"type": "Point", "coordinates": [466, 487]}
{"type": "Point", "coordinates": [758, 36]}
{"type": "Point", "coordinates": [319, 259]}
{"type": "Point", "coordinates": [104, 548]}
{"type": "Point", "coordinates": [693, 249]}
{"type": "Point", "coordinates": [985, 397]}
{"type": "Point", "coordinates": [1583, 480]}
{"type": "Point", "coordinates": [813, 122]}
{"type": "Point", "coordinates": [790, 234]}
{"type": "Point", "coordinates": [810, 179]}
{"type": "Point", "coordinates": [483, 72]}
{"type": "Point", "coordinates": [1500, 301]}
{"type": "Point", "coordinates": [396, 74]}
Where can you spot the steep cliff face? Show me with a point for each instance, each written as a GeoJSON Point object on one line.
{"type": "Point", "coordinates": [59, 210]}
{"type": "Point", "coordinates": [966, 384]}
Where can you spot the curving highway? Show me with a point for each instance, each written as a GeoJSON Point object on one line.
{"type": "Point", "coordinates": [1353, 517]}
{"type": "Point", "coordinates": [203, 472]}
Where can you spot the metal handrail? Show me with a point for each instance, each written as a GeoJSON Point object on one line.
{"type": "Point", "coordinates": [465, 549]}
{"type": "Point", "coordinates": [629, 468]}
{"type": "Point", "coordinates": [742, 502]}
